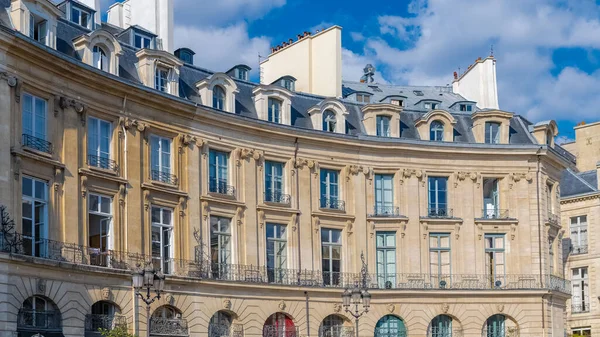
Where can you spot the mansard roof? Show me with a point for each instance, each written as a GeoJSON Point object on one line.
{"type": "Point", "coordinates": [578, 183]}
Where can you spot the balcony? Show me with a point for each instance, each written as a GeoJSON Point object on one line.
{"type": "Point", "coordinates": [225, 330]}
{"type": "Point", "coordinates": [37, 144]}
{"type": "Point", "coordinates": [333, 203]}
{"type": "Point", "coordinates": [385, 212]}
{"type": "Point", "coordinates": [580, 307]}
{"type": "Point", "coordinates": [509, 331]}
{"type": "Point", "coordinates": [163, 177]}
{"type": "Point", "coordinates": [220, 187]}
{"type": "Point", "coordinates": [107, 322]}
{"type": "Point", "coordinates": [439, 213]}
{"type": "Point", "coordinates": [280, 331]}
{"type": "Point", "coordinates": [580, 249]}
{"type": "Point", "coordinates": [336, 331]}
{"type": "Point", "coordinates": [160, 326]}
{"type": "Point", "coordinates": [103, 163]}
{"type": "Point", "coordinates": [277, 197]}
{"type": "Point", "coordinates": [495, 214]}
{"type": "Point", "coordinates": [42, 321]}
{"type": "Point", "coordinates": [390, 332]}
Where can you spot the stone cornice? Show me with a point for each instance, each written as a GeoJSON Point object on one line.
{"type": "Point", "coordinates": [580, 198]}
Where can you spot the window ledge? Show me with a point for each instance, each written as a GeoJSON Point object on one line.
{"type": "Point", "coordinates": [222, 195]}
{"type": "Point", "coordinates": [222, 200]}
{"type": "Point", "coordinates": [103, 174]}
{"type": "Point", "coordinates": [103, 171]}
{"type": "Point", "coordinates": [278, 204]}
{"type": "Point", "coordinates": [502, 221]}
{"type": "Point", "coordinates": [166, 188]}
{"type": "Point", "coordinates": [433, 220]}
{"type": "Point", "coordinates": [39, 156]}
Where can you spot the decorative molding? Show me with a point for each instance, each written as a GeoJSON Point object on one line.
{"type": "Point", "coordinates": [294, 221]}
{"type": "Point", "coordinates": [106, 294]}
{"type": "Point", "coordinates": [79, 107]}
{"type": "Point", "coordinates": [56, 105]}
{"type": "Point", "coordinates": [122, 194]}
{"type": "Point", "coordinates": [129, 123]}
{"type": "Point", "coordinates": [349, 227]}
{"type": "Point", "coordinates": [408, 173]}
{"type": "Point", "coordinates": [41, 286]}
{"type": "Point", "coordinates": [58, 177]}
{"type": "Point", "coordinates": [316, 223]}
{"type": "Point", "coordinates": [282, 305]}
{"type": "Point", "coordinates": [187, 140]}
{"type": "Point", "coordinates": [205, 210]}
{"type": "Point", "coordinates": [10, 79]}
{"type": "Point", "coordinates": [391, 308]}
{"type": "Point", "coordinates": [500, 307]}
{"type": "Point", "coordinates": [337, 307]}
{"type": "Point", "coordinates": [240, 215]}
{"type": "Point", "coordinates": [182, 205]}
{"type": "Point", "coordinates": [84, 185]}
{"type": "Point", "coordinates": [352, 170]}
{"type": "Point", "coordinates": [371, 225]}
{"type": "Point", "coordinates": [17, 167]}
{"type": "Point", "coordinates": [576, 199]}
{"type": "Point", "coordinates": [261, 218]}
{"type": "Point", "coordinates": [170, 299]}
{"type": "Point", "coordinates": [146, 199]}
{"type": "Point", "coordinates": [445, 308]}
{"type": "Point", "coordinates": [461, 176]}
{"type": "Point", "coordinates": [227, 304]}
{"type": "Point", "coordinates": [516, 177]}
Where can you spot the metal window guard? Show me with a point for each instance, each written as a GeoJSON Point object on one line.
{"type": "Point", "coordinates": [168, 326]}
{"type": "Point", "coordinates": [333, 203]}
{"type": "Point", "coordinates": [163, 177]}
{"type": "Point", "coordinates": [494, 214]}
{"type": "Point", "coordinates": [582, 249]}
{"type": "Point", "coordinates": [103, 163]}
{"type": "Point", "coordinates": [220, 187]}
{"type": "Point", "coordinates": [277, 197]}
{"type": "Point", "coordinates": [385, 211]}
{"type": "Point", "coordinates": [439, 212]}
{"type": "Point", "coordinates": [37, 144]}
{"type": "Point", "coordinates": [95, 322]}
{"type": "Point", "coordinates": [49, 320]}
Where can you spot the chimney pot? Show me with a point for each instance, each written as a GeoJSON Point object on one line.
{"type": "Point", "coordinates": [455, 75]}
{"type": "Point", "coordinates": [291, 41]}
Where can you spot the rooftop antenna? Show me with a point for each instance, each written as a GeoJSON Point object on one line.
{"type": "Point", "coordinates": [260, 69]}
{"type": "Point", "coordinates": [492, 50]}
{"type": "Point", "coordinates": [369, 72]}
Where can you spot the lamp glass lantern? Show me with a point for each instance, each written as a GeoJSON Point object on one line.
{"type": "Point", "coordinates": [366, 300]}
{"type": "Point", "coordinates": [356, 295]}
{"type": "Point", "coordinates": [346, 297]}
{"type": "Point", "coordinates": [148, 277]}
{"type": "Point", "coordinates": [138, 279]}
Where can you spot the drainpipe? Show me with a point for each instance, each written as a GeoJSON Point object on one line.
{"type": "Point", "coordinates": [297, 224]}
{"type": "Point", "coordinates": [124, 164]}
{"type": "Point", "coordinates": [307, 314]}
{"type": "Point", "coordinates": [537, 183]}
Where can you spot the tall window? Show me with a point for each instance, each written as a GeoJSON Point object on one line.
{"type": "Point", "coordinates": [329, 121]}
{"type": "Point", "coordinates": [274, 110]}
{"type": "Point", "coordinates": [439, 257]}
{"type": "Point", "coordinates": [217, 173]}
{"type": "Point", "coordinates": [162, 238]}
{"type": "Point", "coordinates": [384, 194]}
{"type": "Point", "coordinates": [34, 216]}
{"type": "Point", "coordinates": [383, 126]}
{"type": "Point", "coordinates": [276, 252]}
{"type": "Point", "coordinates": [580, 300]}
{"type": "Point", "coordinates": [390, 326]}
{"type": "Point", "coordinates": [99, 136]}
{"type": "Point", "coordinates": [441, 326]}
{"type": "Point", "coordinates": [161, 79]}
{"type": "Point", "coordinates": [141, 41]}
{"type": "Point", "coordinates": [34, 123]}
{"type": "Point", "coordinates": [549, 203]}
{"type": "Point", "coordinates": [491, 198]}
{"type": "Point", "coordinates": [492, 133]}
{"type": "Point", "coordinates": [329, 189]}
{"type": "Point", "coordinates": [218, 97]}
{"type": "Point", "coordinates": [80, 17]}
{"type": "Point", "coordinates": [579, 234]}
{"type": "Point", "coordinates": [494, 259]}
{"type": "Point", "coordinates": [386, 259]}
{"type": "Point", "coordinates": [38, 29]}
{"type": "Point", "coordinates": [100, 59]}
{"type": "Point", "coordinates": [331, 255]}
{"type": "Point", "coordinates": [220, 245]}
{"type": "Point", "coordinates": [436, 131]}
{"type": "Point", "coordinates": [274, 182]}
{"type": "Point", "coordinates": [495, 326]}
{"type": "Point", "coordinates": [99, 232]}
{"type": "Point", "coordinates": [438, 198]}
{"type": "Point", "coordinates": [160, 158]}
{"type": "Point", "coordinates": [549, 138]}
{"type": "Point", "coordinates": [333, 326]}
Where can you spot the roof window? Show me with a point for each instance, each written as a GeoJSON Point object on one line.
{"type": "Point", "coordinates": [418, 92]}
{"type": "Point", "coordinates": [363, 98]}
{"type": "Point", "coordinates": [375, 88]}
{"type": "Point", "coordinates": [80, 17]}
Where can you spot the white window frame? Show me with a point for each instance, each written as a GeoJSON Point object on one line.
{"type": "Point", "coordinates": [143, 38]}
{"type": "Point", "coordinates": [580, 286]}
{"type": "Point", "coordinates": [439, 250]}
{"type": "Point", "coordinates": [274, 113]}
{"type": "Point", "coordinates": [161, 166]}
{"type": "Point", "coordinates": [165, 261]}
{"type": "Point", "coordinates": [381, 202]}
{"type": "Point", "coordinates": [579, 232]}
{"type": "Point", "coordinates": [80, 16]}
{"type": "Point", "coordinates": [101, 59]}
{"type": "Point", "coordinates": [35, 115]}
{"type": "Point", "coordinates": [219, 157]}
{"type": "Point", "coordinates": [224, 253]}
{"type": "Point", "coordinates": [493, 253]}
{"type": "Point", "coordinates": [383, 128]}
{"type": "Point", "coordinates": [280, 255]}
{"type": "Point", "coordinates": [490, 138]}
{"type": "Point", "coordinates": [109, 236]}
{"type": "Point", "coordinates": [98, 152]}
{"type": "Point", "coordinates": [162, 79]}
{"type": "Point", "coordinates": [386, 270]}
{"type": "Point", "coordinates": [32, 200]}
{"type": "Point", "coordinates": [330, 245]}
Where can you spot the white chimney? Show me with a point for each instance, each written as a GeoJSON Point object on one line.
{"type": "Point", "coordinates": [478, 83]}
{"type": "Point", "coordinates": [95, 5]}
{"type": "Point", "coordinates": [116, 15]}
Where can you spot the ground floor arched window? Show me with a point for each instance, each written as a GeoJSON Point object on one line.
{"type": "Point", "coordinates": [500, 325]}
{"type": "Point", "coordinates": [168, 321]}
{"type": "Point", "coordinates": [221, 324]}
{"type": "Point", "coordinates": [104, 315]}
{"type": "Point", "coordinates": [39, 314]}
{"type": "Point", "coordinates": [390, 326]}
{"type": "Point", "coordinates": [334, 326]}
{"type": "Point", "coordinates": [440, 326]}
{"type": "Point", "coordinates": [279, 325]}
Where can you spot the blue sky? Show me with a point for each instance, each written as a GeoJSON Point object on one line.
{"type": "Point", "coordinates": [548, 51]}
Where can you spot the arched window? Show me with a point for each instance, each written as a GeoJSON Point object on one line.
{"type": "Point", "coordinates": [329, 121]}
{"type": "Point", "coordinates": [441, 326]}
{"type": "Point", "coordinates": [105, 315]}
{"type": "Point", "coordinates": [274, 111]}
{"type": "Point", "coordinates": [279, 325]}
{"type": "Point", "coordinates": [168, 319]}
{"type": "Point", "coordinates": [549, 137]}
{"type": "Point", "coordinates": [333, 326]}
{"type": "Point", "coordinates": [218, 98]}
{"type": "Point", "coordinates": [436, 131]}
{"type": "Point", "coordinates": [383, 126]}
{"type": "Point", "coordinates": [495, 326]}
{"type": "Point", "coordinates": [40, 315]}
{"type": "Point", "coordinates": [492, 133]}
{"type": "Point", "coordinates": [221, 324]}
{"type": "Point", "coordinates": [390, 326]}
{"type": "Point", "coordinates": [101, 60]}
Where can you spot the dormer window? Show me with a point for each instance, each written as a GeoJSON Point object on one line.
{"type": "Point", "coordinates": [383, 126]}
{"type": "Point", "coordinates": [329, 121]}
{"type": "Point", "coordinates": [141, 41]}
{"type": "Point", "coordinates": [274, 114]}
{"type": "Point", "coordinates": [431, 105]}
{"type": "Point", "coordinates": [466, 107]}
{"type": "Point", "coordinates": [218, 98]}
{"type": "Point", "coordinates": [436, 131]}
{"type": "Point", "coordinates": [242, 74]}
{"type": "Point", "coordinates": [288, 84]}
{"type": "Point", "coordinates": [80, 17]}
{"type": "Point", "coordinates": [397, 102]}
{"type": "Point", "coordinates": [101, 60]}
{"type": "Point", "coordinates": [38, 28]}
{"type": "Point", "coordinates": [161, 79]}
{"type": "Point", "coordinates": [492, 133]}
{"type": "Point", "coordinates": [363, 98]}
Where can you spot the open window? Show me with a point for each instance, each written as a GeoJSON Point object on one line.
{"type": "Point", "coordinates": [99, 49]}
{"type": "Point", "coordinates": [159, 70]}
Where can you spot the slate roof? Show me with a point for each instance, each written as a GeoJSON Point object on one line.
{"type": "Point", "coordinates": [573, 183]}
{"type": "Point", "coordinates": [301, 102]}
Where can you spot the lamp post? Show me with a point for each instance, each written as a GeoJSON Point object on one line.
{"type": "Point", "coordinates": [357, 296]}
{"type": "Point", "coordinates": [147, 279]}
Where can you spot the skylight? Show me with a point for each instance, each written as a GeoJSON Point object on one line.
{"type": "Point", "coordinates": [418, 92]}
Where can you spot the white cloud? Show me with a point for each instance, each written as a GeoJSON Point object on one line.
{"type": "Point", "coordinates": [439, 36]}
{"type": "Point", "coordinates": [357, 37]}
{"type": "Point", "coordinates": [353, 65]}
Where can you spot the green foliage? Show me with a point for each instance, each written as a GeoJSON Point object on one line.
{"type": "Point", "coordinates": [116, 332]}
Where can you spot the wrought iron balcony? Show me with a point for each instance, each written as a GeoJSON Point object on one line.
{"type": "Point", "coordinates": [385, 211]}
{"type": "Point", "coordinates": [108, 322]}
{"type": "Point", "coordinates": [442, 332]}
{"type": "Point", "coordinates": [160, 326]}
{"type": "Point", "coordinates": [439, 213]}
{"type": "Point", "coordinates": [222, 330]}
{"type": "Point", "coordinates": [581, 249]}
{"type": "Point", "coordinates": [220, 187]}
{"type": "Point", "coordinates": [44, 321]}
{"type": "Point", "coordinates": [333, 203]}
{"type": "Point", "coordinates": [580, 307]}
{"type": "Point", "coordinates": [495, 214]}
{"type": "Point", "coordinates": [277, 197]}
{"type": "Point", "coordinates": [390, 332]}
{"type": "Point", "coordinates": [103, 163]}
{"type": "Point", "coordinates": [280, 331]}
{"type": "Point", "coordinates": [509, 331]}
{"type": "Point", "coordinates": [336, 331]}
{"type": "Point", "coordinates": [163, 177]}
{"type": "Point", "coordinates": [37, 144]}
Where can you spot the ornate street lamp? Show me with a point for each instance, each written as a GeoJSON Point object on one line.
{"type": "Point", "coordinates": [148, 279]}
{"type": "Point", "coordinates": [357, 296]}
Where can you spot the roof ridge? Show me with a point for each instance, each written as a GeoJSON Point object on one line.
{"type": "Point", "coordinates": [581, 179]}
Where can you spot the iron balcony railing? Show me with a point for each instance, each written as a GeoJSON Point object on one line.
{"type": "Point", "coordinates": [220, 187]}
{"type": "Point", "coordinates": [225, 330]}
{"type": "Point", "coordinates": [390, 332]}
{"type": "Point", "coordinates": [280, 331]}
{"type": "Point", "coordinates": [444, 332]}
{"type": "Point", "coordinates": [277, 197]}
{"type": "Point", "coordinates": [336, 331]}
{"type": "Point", "coordinates": [37, 144]}
{"type": "Point", "coordinates": [163, 177]}
{"type": "Point", "coordinates": [578, 306]}
{"type": "Point", "coordinates": [207, 270]}
{"type": "Point", "coordinates": [495, 214]}
{"type": "Point", "coordinates": [500, 332]}
{"type": "Point", "coordinates": [103, 163]}
{"type": "Point", "coordinates": [95, 322]}
{"type": "Point", "coordinates": [439, 212]}
{"type": "Point", "coordinates": [43, 321]}
{"type": "Point", "coordinates": [333, 203]}
{"type": "Point", "coordinates": [160, 326]}
{"type": "Point", "coordinates": [580, 249]}
{"type": "Point", "coordinates": [385, 211]}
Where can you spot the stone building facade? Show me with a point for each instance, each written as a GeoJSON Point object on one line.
{"type": "Point", "coordinates": [260, 204]}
